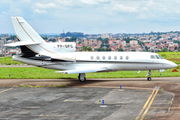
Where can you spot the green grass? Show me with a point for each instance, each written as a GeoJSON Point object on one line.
{"type": "Point", "coordinates": [22, 85]}
{"type": "Point", "coordinates": [41, 73]}
{"type": "Point", "coordinates": [172, 56]}
{"type": "Point", "coordinates": [8, 61]}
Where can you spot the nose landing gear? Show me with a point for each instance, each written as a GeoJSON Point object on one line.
{"type": "Point", "coordinates": [149, 75]}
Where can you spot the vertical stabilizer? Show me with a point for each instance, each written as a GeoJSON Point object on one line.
{"type": "Point", "coordinates": [24, 31]}
{"type": "Point", "coordinates": [32, 40]}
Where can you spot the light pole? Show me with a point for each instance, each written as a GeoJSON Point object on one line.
{"type": "Point", "coordinates": [5, 46]}
{"type": "Point", "coordinates": [2, 45]}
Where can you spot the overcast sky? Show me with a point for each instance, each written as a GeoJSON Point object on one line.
{"type": "Point", "coordinates": [93, 16]}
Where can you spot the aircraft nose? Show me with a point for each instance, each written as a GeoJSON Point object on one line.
{"type": "Point", "coordinates": [172, 64]}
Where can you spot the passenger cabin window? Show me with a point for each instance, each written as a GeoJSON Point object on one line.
{"type": "Point", "coordinates": [92, 57]}
{"type": "Point", "coordinates": [109, 57]}
{"type": "Point", "coordinates": [127, 57]}
{"type": "Point", "coordinates": [153, 57]}
{"type": "Point", "coordinates": [97, 57]}
{"type": "Point", "coordinates": [121, 57]}
{"type": "Point", "coordinates": [103, 57]}
{"type": "Point", "coordinates": [115, 57]}
{"type": "Point", "coordinates": [157, 57]}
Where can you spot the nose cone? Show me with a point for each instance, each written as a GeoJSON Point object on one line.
{"type": "Point", "coordinates": [172, 64]}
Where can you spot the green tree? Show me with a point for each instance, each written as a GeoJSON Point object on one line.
{"type": "Point", "coordinates": [176, 41]}
{"type": "Point", "coordinates": [105, 40]}
{"type": "Point", "coordinates": [102, 49]}
{"type": "Point", "coordinates": [120, 49]}
{"type": "Point", "coordinates": [85, 48]}
{"type": "Point", "coordinates": [158, 37]}
{"type": "Point", "coordinates": [164, 50]}
{"type": "Point", "coordinates": [146, 48]}
{"type": "Point", "coordinates": [53, 40]}
{"type": "Point", "coordinates": [45, 38]}
{"type": "Point", "coordinates": [176, 48]}
{"type": "Point", "coordinates": [108, 49]}
{"type": "Point", "coordinates": [99, 38]}
{"type": "Point", "coordinates": [73, 39]}
{"type": "Point", "coordinates": [12, 37]}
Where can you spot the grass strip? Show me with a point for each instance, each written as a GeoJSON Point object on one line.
{"type": "Point", "coordinates": [41, 73]}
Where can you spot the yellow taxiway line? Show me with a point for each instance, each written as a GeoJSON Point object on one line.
{"type": "Point", "coordinates": [147, 105]}
{"type": "Point", "coordinates": [165, 107]}
{"type": "Point", "coordinates": [5, 90]}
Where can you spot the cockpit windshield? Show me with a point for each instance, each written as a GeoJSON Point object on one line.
{"type": "Point", "coordinates": [156, 57]}
{"type": "Point", "coordinates": [153, 57]}
{"type": "Point", "coordinates": [160, 57]}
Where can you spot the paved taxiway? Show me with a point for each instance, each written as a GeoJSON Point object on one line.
{"type": "Point", "coordinates": [80, 103]}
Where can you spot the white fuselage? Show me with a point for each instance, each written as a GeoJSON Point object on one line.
{"type": "Point", "coordinates": [113, 61]}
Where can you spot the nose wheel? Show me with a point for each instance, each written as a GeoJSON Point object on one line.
{"type": "Point", "coordinates": [82, 77]}
{"type": "Point", "coordinates": [149, 78]}
{"type": "Point", "coordinates": [149, 75]}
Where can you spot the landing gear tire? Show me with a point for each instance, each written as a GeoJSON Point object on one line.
{"type": "Point", "coordinates": [149, 75]}
{"type": "Point", "coordinates": [82, 77]}
{"type": "Point", "coordinates": [149, 78]}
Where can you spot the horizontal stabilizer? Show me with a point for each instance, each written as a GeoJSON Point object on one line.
{"type": "Point", "coordinates": [22, 43]}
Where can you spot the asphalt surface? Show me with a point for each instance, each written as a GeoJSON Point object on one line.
{"type": "Point", "coordinates": [78, 103]}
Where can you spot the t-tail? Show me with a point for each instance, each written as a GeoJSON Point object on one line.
{"type": "Point", "coordinates": [32, 44]}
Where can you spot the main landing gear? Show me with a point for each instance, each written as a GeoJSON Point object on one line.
{"type": "Point", "coordinates": [149, 75]}
{"type": "Point", "coordinates": [82, 77]}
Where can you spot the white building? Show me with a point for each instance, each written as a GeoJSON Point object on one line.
{"type": "Point", "coordinates": [105, 35]}
{"type": "Point", "coordinates": [133, 42]}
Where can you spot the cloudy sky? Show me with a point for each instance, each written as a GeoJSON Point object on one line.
{"type": "Point", "coordinates": [92, 16]}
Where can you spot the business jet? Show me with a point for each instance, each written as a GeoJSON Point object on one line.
{"type": "Point", "coordinates": [61, 56]}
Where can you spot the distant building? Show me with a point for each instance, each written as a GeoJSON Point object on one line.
{"type": "Point", "coordinates": [123, 43]}
{"type": "Point", "coordinates": [86, 42]}
{"type": "Point", "coordinates": [105, 35]}
{"type": "Point", "coordinates": [133, 42]}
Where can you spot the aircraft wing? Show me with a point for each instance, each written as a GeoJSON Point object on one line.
{"type": "Point", "coordinates": [84, 70]}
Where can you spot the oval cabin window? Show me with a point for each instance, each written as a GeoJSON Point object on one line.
{"type": "Point", "coordinates": [127, 57]}
{"type": "Point", "coordinates": [97, 57]}
{"type": "Point", "coordinates": [92, 57]}
{"type": "Point", "coordinates": [115, 57]}
{"type": "Point", "coordinates": [121, 57]}
{"type": "Point", "coordinates": [109, 57]}
{"type": "Point", "coordinates": [103, 57]}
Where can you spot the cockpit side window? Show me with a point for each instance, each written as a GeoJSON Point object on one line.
{"type": "Point", "coordinates": [157, 57]}
{"type": "Point", "coordinates": [153, 57]}
{"type": "Point", "coordinates": [160, 57]}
